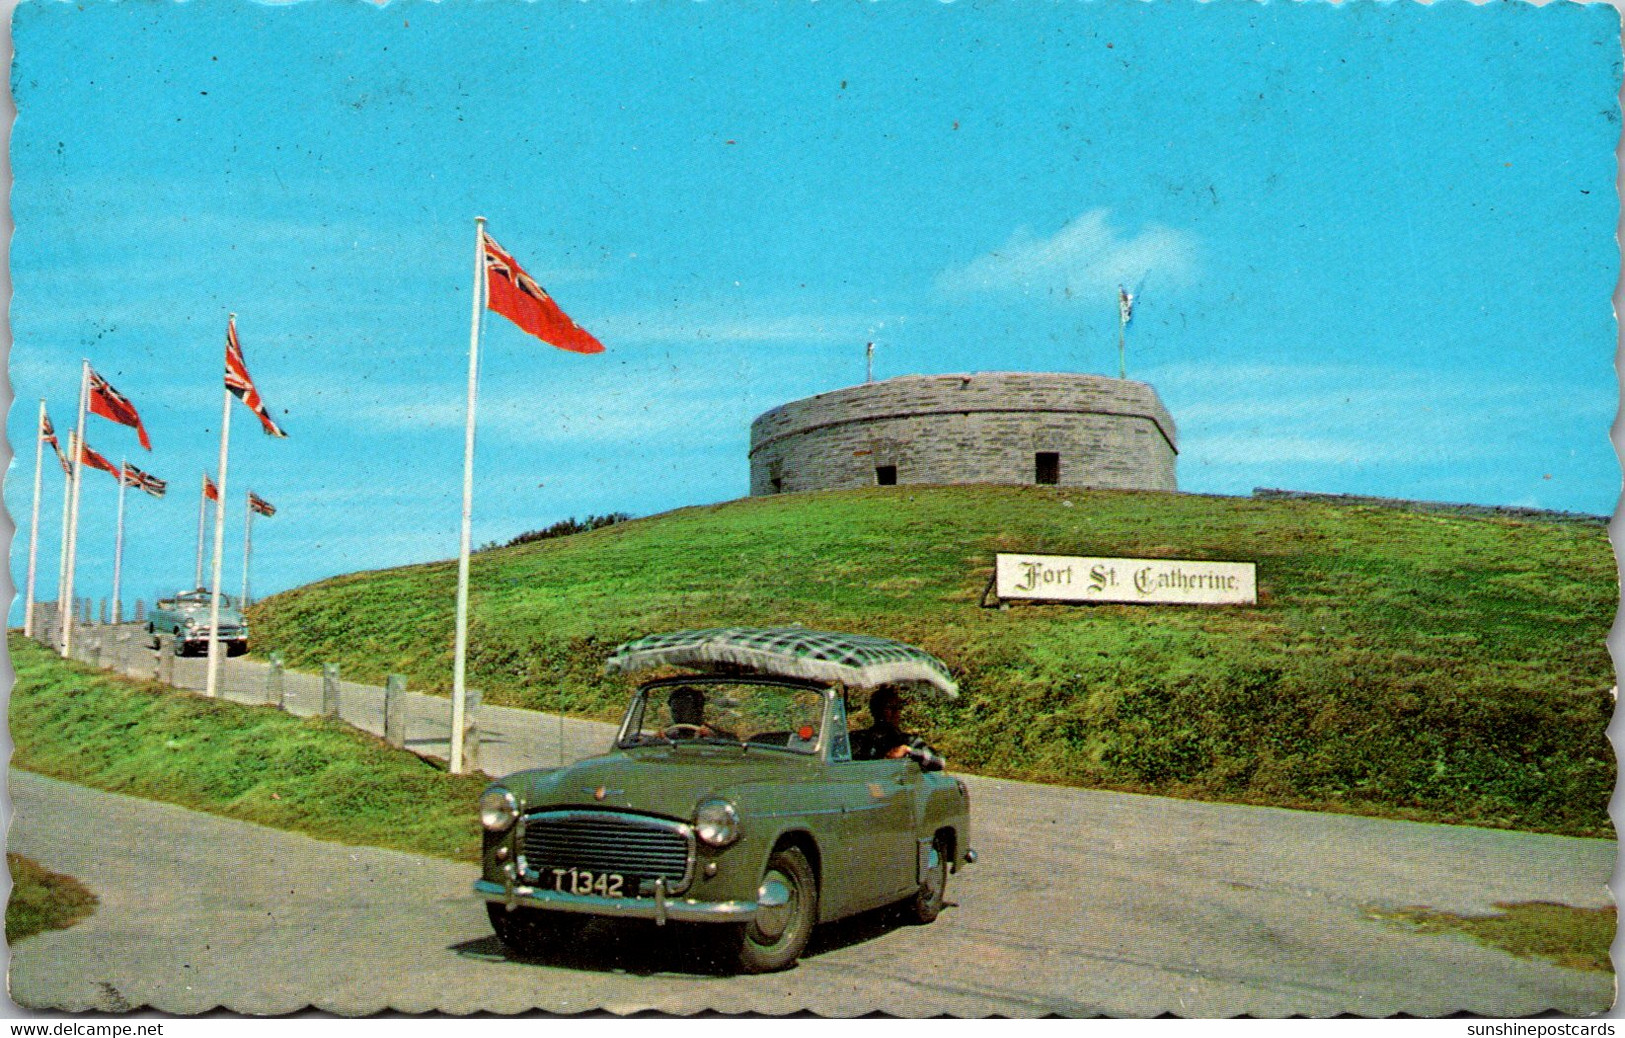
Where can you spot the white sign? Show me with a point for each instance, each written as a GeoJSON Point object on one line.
{"type": "Point", "coordinates": [1081, 578]}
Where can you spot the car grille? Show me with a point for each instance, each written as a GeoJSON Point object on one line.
{"type": "Point", "coordinates": [635, 846]}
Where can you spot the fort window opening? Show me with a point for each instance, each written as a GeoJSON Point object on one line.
{"type": "Point", "coordinates": [1048, 468]}
{"type": "Point", "coordinates": [885, 475]}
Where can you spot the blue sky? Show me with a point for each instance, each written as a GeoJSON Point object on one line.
{"type": "Point", "coordinates": [1376, 245]}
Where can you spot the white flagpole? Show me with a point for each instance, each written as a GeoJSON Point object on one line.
{"type": "Point", "coordinates": [459, 691]}
{"type": "Point", "coordinates": [33, 523]}
{"type": "Point", "coordinates": [73, 518]}
{"type": "Point", "coordinates": [1125, 311]}
{"type": "Point", "coordinates": [248, 542]}
{"type": "Point", "coordinates": [118, 540]}
{"type": "Point", "coordinates": [62, 555]}
{"type": "Point", "coordinates": [202, 506]}
{"type": "Point", "coordinates": [219, 546]}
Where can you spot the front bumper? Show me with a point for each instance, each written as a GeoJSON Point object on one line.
{"type": "Point", "coordinates": [660, 907]}
{"type": "Point", "coordinates": [202, 637]}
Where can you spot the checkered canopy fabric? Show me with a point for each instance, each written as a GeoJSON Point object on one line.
{"type": "Point", "coordinates": [855, 660]}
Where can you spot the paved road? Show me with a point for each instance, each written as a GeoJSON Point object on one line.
{"type": "Point", "coordinates": [510, 739]}
{"type": "Point", "coordinates": [1084, 902]}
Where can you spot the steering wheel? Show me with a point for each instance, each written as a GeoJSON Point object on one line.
{"type": "Point", "coordinates": [695, 730]}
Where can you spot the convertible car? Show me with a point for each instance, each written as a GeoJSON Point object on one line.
{"type": "Point", "coordinates": [185, 615]}
{"type": "Point", "coordinates": [731, 798]}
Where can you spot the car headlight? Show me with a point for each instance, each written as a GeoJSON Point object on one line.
{"type": "Point", "coordinates": [499, 808]}
{"type": "Point", "coordinates": [716, 822]}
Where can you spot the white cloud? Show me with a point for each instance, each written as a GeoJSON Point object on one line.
{"type": "Point", "coordinates": [1086, 259]}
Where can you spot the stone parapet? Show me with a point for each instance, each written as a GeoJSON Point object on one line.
{"type": "Point", "coordinates": [994, 427]}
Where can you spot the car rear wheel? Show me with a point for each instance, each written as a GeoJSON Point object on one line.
{"type": "Point", "coordinates": [788, 896]}
{"type": "Point", "coordinates": [926, 904]}
{"type": "Point", "coordinates": [531, 931]}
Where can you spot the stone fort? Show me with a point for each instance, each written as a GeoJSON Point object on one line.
{"type": "Point", "coordinates": [992, 427]}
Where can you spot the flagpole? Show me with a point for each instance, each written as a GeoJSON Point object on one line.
{"type": "Point", "coordinates": [219, 545]}
{"type": "Point", "coordinates": [1122, 356]}
{"type": "Point", "coordinates": [73, 518]}
{"type": "Point", "coordinates": [459, 673]}
{"type": "Point", "coordinates": [248, 542]}
{"type": "Point", "coordinates": [118, 539]}
{"type": "Point", "coordinates": [1125, 312]}
{"type": "Point", "coordinates": [202, 506]}
{"type": "Point", "coordinates": [33, 523]}
{"type": "Point", "coordinates": [62, 555]}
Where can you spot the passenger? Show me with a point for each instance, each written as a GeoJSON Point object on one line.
{"type": "Point", "coordinates": [885, 739]}
{"type": "Point", "coordinates": [687, 706]}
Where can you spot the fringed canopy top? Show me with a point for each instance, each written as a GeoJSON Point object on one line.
{"type": "Point", "coordinates": [855, 660]}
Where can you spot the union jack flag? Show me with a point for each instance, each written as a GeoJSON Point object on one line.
{"type": "Point", "coordinates": [515, 295]}
{"type": "Point", "coordinates": [260, 505]}
{"type": "Point", "coordinates": [48, 434]}
{"type": "Point", "coordinates": [115, 406]}
{"type": "Point", "coordinates": [134, 477]}
{"type": "Point", "coordinates": [241, 386]}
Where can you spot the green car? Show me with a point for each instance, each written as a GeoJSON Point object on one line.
{"type": "Point", "coordinates": [731, 798]}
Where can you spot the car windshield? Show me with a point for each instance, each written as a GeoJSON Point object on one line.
{"type": "Point", "coordinates": [201, 598]}
{"type": "Point", "coordinates": [771, 716]}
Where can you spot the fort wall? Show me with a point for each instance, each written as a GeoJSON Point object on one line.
{"type": "Point", "coordinates": [994, 427]}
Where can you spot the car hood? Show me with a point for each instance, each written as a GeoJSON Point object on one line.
{"type": "Point", "coordinates": [655, 780]}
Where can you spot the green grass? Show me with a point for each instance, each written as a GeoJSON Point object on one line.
{"type": "Point", "coordinates": [42, 900]}
{"type": "Point", "coordinates": [1578, 938]}
{"type": "Point", "coordinates": [1420, 665]}
{"type": "Point", "coordinates": [318, 777]}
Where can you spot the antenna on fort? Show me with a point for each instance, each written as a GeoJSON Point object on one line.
{"type": "Point", "coordinates": [869, 363]}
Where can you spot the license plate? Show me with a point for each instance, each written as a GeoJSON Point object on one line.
{"type": "Point", "coordinates": [581, 881]}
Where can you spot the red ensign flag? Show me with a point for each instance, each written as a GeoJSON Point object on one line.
{"type": "Point", "coordinates": [210, 491]}
{"type": "Point", "coordinates": [516, 295]}
{"type": "Point", "coordinates": [115, 406]}
{"type": "Point", "coordinates": [88, 456]}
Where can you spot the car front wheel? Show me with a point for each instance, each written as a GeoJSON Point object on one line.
{"type": "Point", "coordinates": [532, 931]}
{"type": "Point", "coordinates": [788, 900]}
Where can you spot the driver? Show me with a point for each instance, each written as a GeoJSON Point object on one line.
{"type": "Point", "coordinates": [687, 705]}
{"type": "Point", "coordinates": [885, 739]}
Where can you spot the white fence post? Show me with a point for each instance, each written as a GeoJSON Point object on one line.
{"type": "Point", "coordinates": [330, 690]}
{"type": "Point", "coordinates": [395, 710]}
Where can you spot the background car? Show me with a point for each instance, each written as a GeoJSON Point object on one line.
{"type": "Point", "coordinates": [186, 617]}
{"type": "Point", "coordinates": [730, 798]}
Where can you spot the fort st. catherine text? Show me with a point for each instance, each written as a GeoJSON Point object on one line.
{"type": "Point", "coordinates": [1146, 579]}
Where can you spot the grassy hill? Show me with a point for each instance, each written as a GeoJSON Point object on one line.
{"type": "Point", "coordinates": [1417, 664]}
